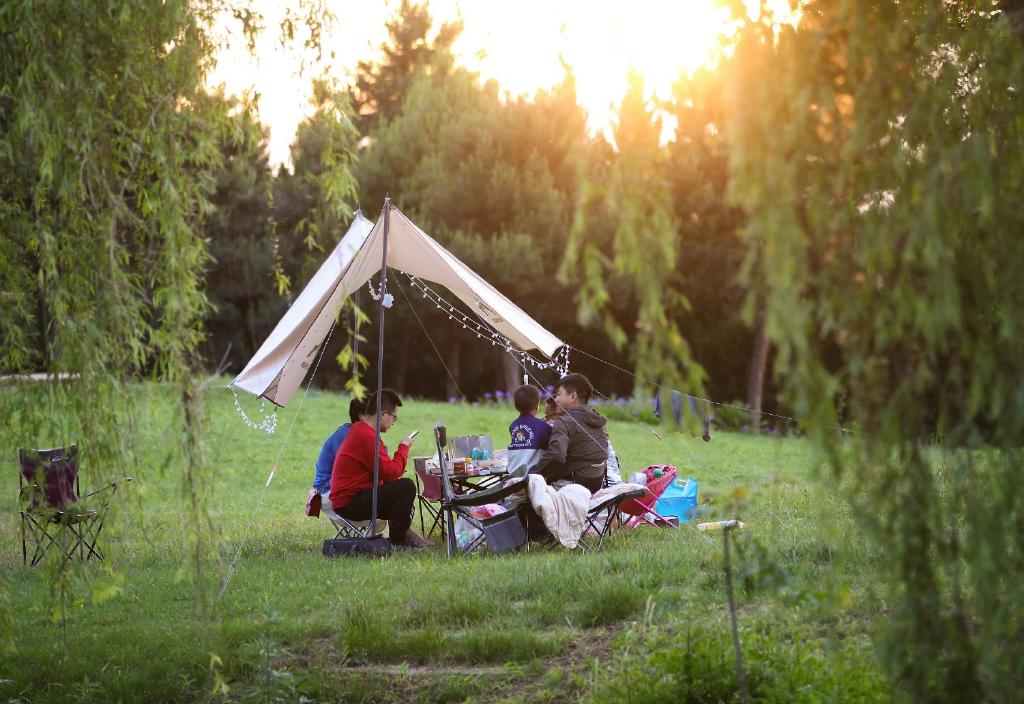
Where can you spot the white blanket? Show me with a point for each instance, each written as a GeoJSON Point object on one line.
{"type": "Point", "coordinates": [564, 511]}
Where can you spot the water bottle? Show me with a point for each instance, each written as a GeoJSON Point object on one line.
{"type": "Point", "coordinates": [719, 525]}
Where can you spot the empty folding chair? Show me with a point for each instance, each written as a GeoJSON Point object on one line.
{"type": "Point", "coordinates": [640, 509]}
{"type": "Point", "coordinates": [429, 495]}
{"type": "Point", "coordinates": [501, 533]}
{"type": "Point", "coordinates": [53, 515]}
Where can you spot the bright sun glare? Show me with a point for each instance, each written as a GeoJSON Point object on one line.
{"type": "Point", "coordinates": [520, 45]}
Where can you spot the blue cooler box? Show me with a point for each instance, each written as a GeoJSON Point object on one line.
{"type": "Point", "coordinates": [679, 499]}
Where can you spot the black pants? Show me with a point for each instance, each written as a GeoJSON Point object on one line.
{"type": "Point", "coordinates": [394, 505]}
{"type": "Point", "coordinates": [593, 484]}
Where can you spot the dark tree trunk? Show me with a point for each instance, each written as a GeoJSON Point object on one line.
{"type": "Point", "coordinates": [1014, 10]}
{"type": "Point", "coordinates": [758, 364]}
{"type": "Point", "coordinates": [511, 373]}
{"type": "Point", "coordinates": [454, 364]}
{"type": "Point", "coordinates": [400, 368]}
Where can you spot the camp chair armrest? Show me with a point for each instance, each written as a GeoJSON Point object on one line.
{"type": "Point", "coordinates": [111, 486]}
{"type": "Point", "coordinates": [617, 499]}
{"type": "Point", "coordinates": [492, 495]}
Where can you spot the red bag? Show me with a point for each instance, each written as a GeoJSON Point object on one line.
{"type": "Point", "coordinates": [313, 500]}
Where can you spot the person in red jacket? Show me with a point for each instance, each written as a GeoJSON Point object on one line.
{"type": "Point", "coordinates": [352, 475]}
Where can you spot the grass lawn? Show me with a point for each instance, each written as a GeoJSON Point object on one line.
{"type": "Point", "coordinates": [645, 620]}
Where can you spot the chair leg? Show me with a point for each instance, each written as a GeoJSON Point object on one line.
{"type": "Point", "coordinates": [474, 544]}
{"type": "Point", "coordinates": [44, 541]}
{"type": "Point", "coordinates": [40, 550]}
{"type": "Point", "coordinates": [347, 530]}
{"type": "Point", "coordinates": [419, 509]}
{"type": "Point", "coordinates": [437, 523]}
{"type": "Point", "coordinates": [450, 524]}
{"type": "Point", "coordinates": [79, 540]}
{"type": "Point", "coordinates": [635, 521]}
{"type": "Point", "coordinates": [93, 536]}
{"type": "Point", "coordinates": [76, 534]}
{"type": "Point", "coordinates": [24, 548]}
{"type": "Point", "coordinates": [607, 529]}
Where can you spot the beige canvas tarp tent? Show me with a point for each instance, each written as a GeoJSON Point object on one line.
{"type": "Point", "coordinates": [279, 366]}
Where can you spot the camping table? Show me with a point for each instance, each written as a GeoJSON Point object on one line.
{"type": "Point", "coordinates": [486, 478]}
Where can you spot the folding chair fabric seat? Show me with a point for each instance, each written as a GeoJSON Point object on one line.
{"type": "Point", "coordinates": [429, 495]}
{"type": "Point", "coordinates": [345, 528]}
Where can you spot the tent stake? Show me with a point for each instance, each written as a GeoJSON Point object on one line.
{"type": "Point", "coordinates": [380, 364]}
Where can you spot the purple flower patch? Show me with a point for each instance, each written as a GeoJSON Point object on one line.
{"type": "Point", "coordinates": [452, 399]}
{"type": "Point", "coordinates": [499, 394]}
{"type": "Point", "coordinates": [488, 395]}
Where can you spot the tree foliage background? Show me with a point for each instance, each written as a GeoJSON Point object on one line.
{"type": "Point", "coordinates": [879, 174]}
{"type": "Point", "coordinates": [118, 165]}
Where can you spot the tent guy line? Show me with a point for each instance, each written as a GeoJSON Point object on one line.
{"type": "Point", "coordinates": [273, 468]}
{"type": "Point", "coordinates": [701, 398]}
{"type": "Point", "coordinates": [496, 339]}
{"type": "Point", "coordinates": [423, 327]}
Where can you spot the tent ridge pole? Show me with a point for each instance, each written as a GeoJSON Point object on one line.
{"type": "Point", "coordinates": [380, 364]}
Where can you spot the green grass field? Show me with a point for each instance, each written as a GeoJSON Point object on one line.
{"type": "Point", "coordinates": [645, 620]}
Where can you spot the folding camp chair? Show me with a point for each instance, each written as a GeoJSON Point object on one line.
{"type": "Point", "coordinates": [345, 528]}
{"type": "Point", "coordinates": [428, 499]}
{"type": "Point", "coordinates": [52, 513]}
{"type": "Point", "coordinates": [501, 533]}
{"type": "Point", "coordinates": [640, 508]}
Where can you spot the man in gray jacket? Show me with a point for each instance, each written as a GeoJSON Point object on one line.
{"type": "Point", "coordinates": [578, 448]}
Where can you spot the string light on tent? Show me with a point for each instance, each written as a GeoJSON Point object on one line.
{"type": "Point", "coordinates": [374, 294]}
{"type": "Point", "coordinates": [269, 423]}
{"type": "Point", "coordinates": [381, 294]}
{"type": "Point", "coordinates": [560, 361]}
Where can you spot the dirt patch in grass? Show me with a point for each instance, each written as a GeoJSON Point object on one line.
{"type": "Point", "coordinates": [561, 678]}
